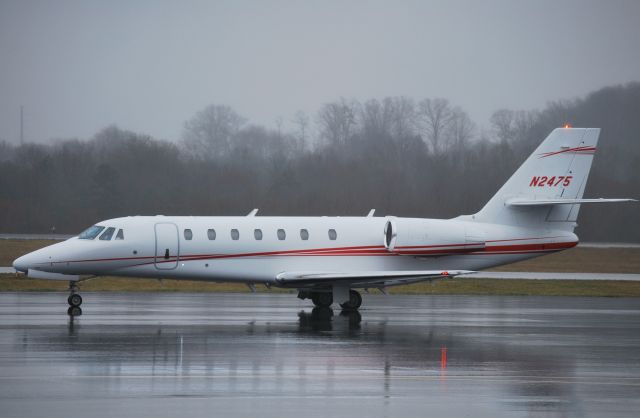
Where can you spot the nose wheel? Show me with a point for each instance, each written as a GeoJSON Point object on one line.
{"type": "Point", "coordinates": [74, 299]}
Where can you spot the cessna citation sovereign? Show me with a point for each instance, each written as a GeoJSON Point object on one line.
{"type": "Point", "coordinates": [327, 258]}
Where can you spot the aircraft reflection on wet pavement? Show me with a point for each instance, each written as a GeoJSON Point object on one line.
{"type": "Point", "coordinates": [146, 354]}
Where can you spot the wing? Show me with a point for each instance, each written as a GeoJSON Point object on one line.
{"type": "Point", "coordinates": [298, 279]}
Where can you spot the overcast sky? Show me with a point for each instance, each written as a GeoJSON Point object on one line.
{"type": "Point", "coordinates": [147, 66]}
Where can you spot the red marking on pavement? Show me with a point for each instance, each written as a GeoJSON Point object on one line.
{"type": "Point", "coordinates": [443, 358]}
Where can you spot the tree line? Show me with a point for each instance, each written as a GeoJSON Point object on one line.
{"type": "Point", "coordinates": [423, 158]}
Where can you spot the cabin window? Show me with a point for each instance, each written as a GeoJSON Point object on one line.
{"type": "Point", "coordinates": [211, 234]}
{"type": "Point", "coordinates": [188, 234]}
{"type": "Point", "coordinates": [235, 235]}
{"type": "Point", "coordinates": [107, 234]}
{"type": "Point", "coordinates": [91, 232]}
{"type": "Point", "coordinates": [304, 234]}
{"type": "Point", "coordinates": [120, 234]}
{"type": "Point", "coordinates": [333, 234]}
{"type": "Point", "coordinates": [281, 234]}
{"type": "Point", "coordinates": [257, 233]}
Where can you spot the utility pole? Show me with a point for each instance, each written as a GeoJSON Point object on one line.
{"type": "Point", "coordinates": [21, 125]}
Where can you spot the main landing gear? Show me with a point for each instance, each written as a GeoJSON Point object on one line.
{"type": "Point", "coordinates": [322, 299]}
{"type": "Point", "coordinates": [354, 302]}
{"type": "Point", "coordinates": [325, 299]}
{"type": "Point", "coordinates": [74, 299]}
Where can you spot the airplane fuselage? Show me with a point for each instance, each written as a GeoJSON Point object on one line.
{"type": "Point", "coordinates": [255, 249]}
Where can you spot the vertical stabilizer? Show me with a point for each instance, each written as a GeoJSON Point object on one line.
{"type": "Point", "coordinates": [557, 169]}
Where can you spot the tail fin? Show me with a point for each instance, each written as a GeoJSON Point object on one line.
{"type": "Point", "coordinates": [556, 174]}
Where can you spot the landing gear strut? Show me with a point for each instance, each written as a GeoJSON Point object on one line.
{"type": "Point", "coordinates": [74, 299]}
{"type": "Point", "coordinates": [354, 302]}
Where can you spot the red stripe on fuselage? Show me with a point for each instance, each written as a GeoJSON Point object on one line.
{"type": "Point", "coordinates": [367, 250]}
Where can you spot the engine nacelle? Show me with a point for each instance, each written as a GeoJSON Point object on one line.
{"type": "Point", "coordinates": [430, 237]}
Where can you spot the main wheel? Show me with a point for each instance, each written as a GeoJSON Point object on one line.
{"type": "Point", "coordinates": [355, 301]}
{"type": "Point", "coordinates": [322, 299]}
{"type": "Point", "coordinates": [74, 300]}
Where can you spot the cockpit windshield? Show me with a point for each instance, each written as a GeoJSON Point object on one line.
{"type": "Point", "coordinates": [91, 232]}
{"type": "Point", "coordinates": [107, 234]}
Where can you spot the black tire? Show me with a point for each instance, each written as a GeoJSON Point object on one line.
{"type": "Point", "coordinates": [74, 311]}
{"type": "Point", "coordinates": [355, 301]}
{"type": "Point", "coordinates": [74, 300]}
{"type": "Point", "coordinates": [322, 299]}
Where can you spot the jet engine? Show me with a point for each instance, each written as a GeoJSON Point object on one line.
{"type": "Point", "coordinates": [430, 237]}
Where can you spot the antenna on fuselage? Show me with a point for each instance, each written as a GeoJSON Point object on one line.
{"type": "Point", "coordinates": [371, 212]}
{"type": "Point", "coordinates": [253, 212]}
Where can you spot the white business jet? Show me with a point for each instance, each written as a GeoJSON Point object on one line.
{"type": "Point", "coordinates": [327, 258]}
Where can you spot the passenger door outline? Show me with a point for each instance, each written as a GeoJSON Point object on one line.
{"type": "Point", "coordinates": [167, 246]}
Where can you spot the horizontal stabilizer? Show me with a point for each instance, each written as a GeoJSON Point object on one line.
{"type": "Point", "coordinates": [304, 279]}
{"type": "Point", "coordinates": [547, 202]}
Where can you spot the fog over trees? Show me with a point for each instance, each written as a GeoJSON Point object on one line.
{"type": "Point", "coordinates": [422, 158]}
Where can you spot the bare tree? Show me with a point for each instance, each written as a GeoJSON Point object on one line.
{"type": "Point", "coordinates": [435, 116]}
{"type": "Point", "coordinates": [209, 133]}
{"type": "Point", "coordinates": [502, 122]}
{"type": "Point", "coordinates": [301, 120]}
{"type": "Point", "coordinates": [521, 129]}
{"type": "Point", "coordinates": [376, 117]}
{"type": "Point", "coordinates": [279, 123]}
{"type": "Point", "coordinates": [461, 130]}
{"type": "Point", "coordinates": [337, 121]}
{"type": "Point", "coordinates": [403, 117]}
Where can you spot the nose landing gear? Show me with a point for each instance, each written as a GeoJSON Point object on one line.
{"type": "Point", "coordinates": [74, 299]}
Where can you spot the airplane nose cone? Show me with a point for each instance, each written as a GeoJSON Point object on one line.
{"type": "Point", "coordinates": [21, 263]}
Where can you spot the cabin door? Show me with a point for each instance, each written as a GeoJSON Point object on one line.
{"type": "Point", "coordinates": [167, 246]}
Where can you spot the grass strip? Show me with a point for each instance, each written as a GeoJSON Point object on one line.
{"type": "Point", "coordinates": [459, 286]}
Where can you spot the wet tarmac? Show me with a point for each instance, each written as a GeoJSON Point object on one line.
{"type": "Point", "coordinates": [167, 355]}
